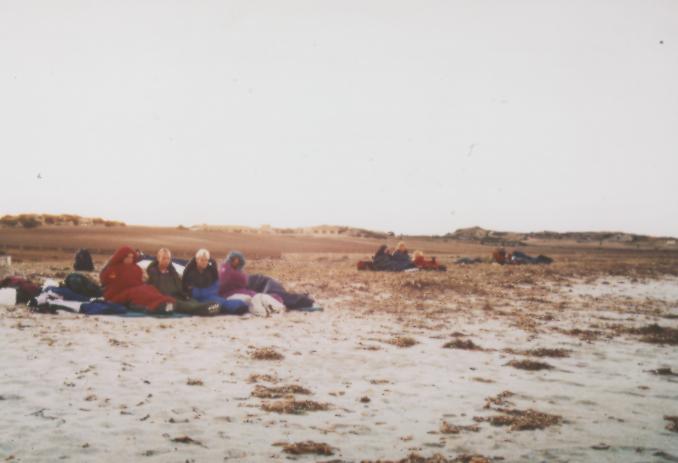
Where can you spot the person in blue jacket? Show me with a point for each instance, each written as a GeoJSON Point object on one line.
{"type": "Point", "coordinates": [201, 281]}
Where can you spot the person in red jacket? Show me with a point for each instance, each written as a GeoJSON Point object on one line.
{"type": "Point", "coordinates": [123, 283]}
{"type": "Point", "coordinates": [423, 263]}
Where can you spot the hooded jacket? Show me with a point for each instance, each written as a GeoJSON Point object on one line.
{"type": "Point", "coordinates": [116, 276]}
{"type": "Point", "coordinates": [233, 280]}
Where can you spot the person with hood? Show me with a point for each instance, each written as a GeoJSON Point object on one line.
{"type": "Point", "coordinates": [382, 259]}
{"type": "Point", "coordinates": [123, 283]}
{"type": "Point", "coordinates": [201, 281]}
{"type": "Point", "coordinates": [234, 281]}
{"type": "Point", "coordinates": [164, 276]}
{"type": "Point", "coordinates": [401, 258]}
{"type": "Point", "coordinates": [232, 278]}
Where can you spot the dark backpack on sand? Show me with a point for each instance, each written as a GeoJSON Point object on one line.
{"type": "Point", "coordinates": [82, 285]}
{"type": "Point", "coordinates": [83, 261]}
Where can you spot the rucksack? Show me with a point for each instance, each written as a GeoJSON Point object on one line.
{"type": "Point", "coordinates": [83, 261]}
{"type": "Point", "coordinates": [82, 285]}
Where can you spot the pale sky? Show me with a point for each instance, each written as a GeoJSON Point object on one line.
{"type": "Point", "coordinates": [411, 116]}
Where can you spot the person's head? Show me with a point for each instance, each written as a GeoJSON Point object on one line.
{"type": "Point", "coordinates": [401, 247]}
{"type": "Point", "coordinates": [235, 260]}
{"type": "Point", "coordinates": [202, 259]}
{"type": "Point", "coordinates": [164, 257]}
{"type": "Point", "coordinates": [129, 258]}
{"type": "Point", "coordinates": [418, 254]}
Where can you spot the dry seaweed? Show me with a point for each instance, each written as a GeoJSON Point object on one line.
{"type": "Point", "coordinates": [307, 447]}
{"type": "Point", "coordinates": [499, 400]}
{"type": "Point", "coordinates": [529, 365]}
{"type": "Point", "coordinates": [521, 420]}
{"type": "Point", "coordinates": [436, 458]}
{"type": "Point", "coordinates": [656, 334]}
{"type": "Point", "coordinates": [541, 352]}
{"type": "Point", "coordinates": [255, 378]}
{"type": "Point", "coordinates": [673, 423]}
{"type": "Point", "coordinates": [294, 407]}
{"type": "Point", "coordinates": [402, 341]}
{"type": "Point", "coordinates": [447, 428]}
{"type": "Point", "coordinates": [264, 392]}
{"type": "Point", "coordinates": [266, 353]}
{"type": "Point", "coordinates": [187, 440]}
{"type": "Point", "coordinates": [462, 344]}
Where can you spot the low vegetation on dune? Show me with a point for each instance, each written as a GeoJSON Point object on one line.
{"type": "Point", "coordinates": [39, 220]}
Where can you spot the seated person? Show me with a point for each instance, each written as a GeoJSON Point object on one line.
{"type": "Point", "coordinates": [382, 259]}
{"type": "Point", "coordinates": [401, 255]}
{"type": "Point", "coordinates": [232, 278]}
{"type": "Point", "coordinates": [397, 261]}
{"type": "Point", "coordinates": [163, 275]}
{"type": "Point", "coordinates": [122, 280]}
{"type": "Point", "coordinates": [423, 263]}
{"type": "Point", "coordinates": [500, 256]}
{"type": "Point", "coordinates": [201, 281]}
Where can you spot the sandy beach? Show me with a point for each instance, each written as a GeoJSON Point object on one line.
{"type": "Point", "coordinates": [485, 362]}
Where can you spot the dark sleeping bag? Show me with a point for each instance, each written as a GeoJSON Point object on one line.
{"type": "Point", "coordinates": [267, 285]}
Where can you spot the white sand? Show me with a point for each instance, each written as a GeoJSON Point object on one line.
{"type": "Point", "coordinates": [115, 389]}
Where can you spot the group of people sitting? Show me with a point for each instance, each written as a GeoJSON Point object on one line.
{"type": "Point", "coordinates": [202, 288]}
{"type": "Point", "coordinates": [399, 260]}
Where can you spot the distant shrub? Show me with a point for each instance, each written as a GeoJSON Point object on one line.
{"type": "Point", "coordinates": [9, 221]}
{"type": "Point", "coordinates": [30, 222]}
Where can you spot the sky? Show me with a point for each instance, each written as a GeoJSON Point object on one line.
{"type": "Point", "coordinates": [417, 117]}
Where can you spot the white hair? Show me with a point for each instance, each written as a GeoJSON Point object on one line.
{"type": "Point", "coordinates": [202, 253]}
{"type": "Point", "coordinates": [164, 251]}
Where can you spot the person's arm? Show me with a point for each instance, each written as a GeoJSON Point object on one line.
{"type": "Point", "coordinates": [107, 275]}
{"type": "Point", "coordinates": [186, 287]}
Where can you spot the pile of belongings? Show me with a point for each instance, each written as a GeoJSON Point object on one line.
{"type": "Point", "coordinates": [18, 290]}
{"type": "Point", "coordinates": [469, 261]}
{"type": "Point", "coordinates": [502, 257]}
{"type": "Point", "coordinates": [77, 293]}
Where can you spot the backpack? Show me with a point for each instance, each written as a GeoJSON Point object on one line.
{"type": "Point", "coordinates": [82, 285]}
{"type": "Point", "coordinates": [83, 261]}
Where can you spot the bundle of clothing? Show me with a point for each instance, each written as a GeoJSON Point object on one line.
{"type": "Point", "coordinates": [76, 293]}
{"type": "Point", "coordinates": [25, 289]}
{"type": "Point", "coordinates": [502, 257]}
{"type": "Point", "coordinates": [469, 261]}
